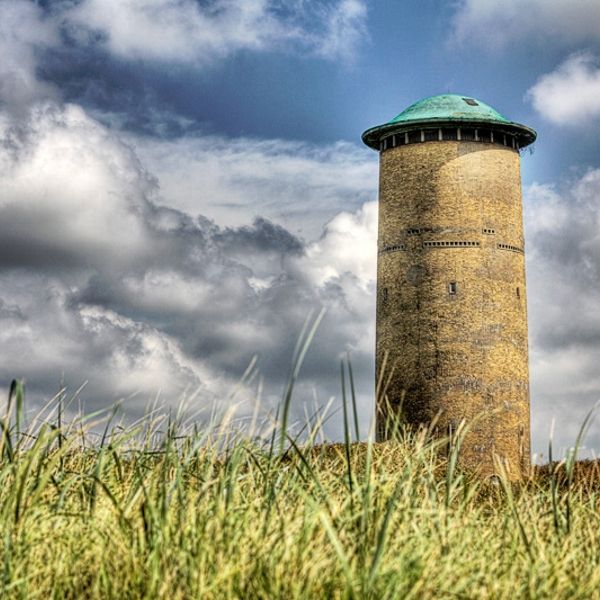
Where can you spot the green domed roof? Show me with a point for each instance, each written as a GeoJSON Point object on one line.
{"type": "Point", "coordinates": [448, 109]}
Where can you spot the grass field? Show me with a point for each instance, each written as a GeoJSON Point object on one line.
{"type": "Point", "coordinates": [158, 510]}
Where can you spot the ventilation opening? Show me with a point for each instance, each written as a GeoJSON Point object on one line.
{"type": "Point", "coordinates": [471, 102]}
{"type": "Point", "coordinates": [450, 244]}
{"type": "Point", "coordinates": [450, 134]}
{"type": "Point", "coordinates": [489, 231]}
{"type": "Point", "coordinates": [392, 248]}
{"type": "Point", "coordinates": [511, 248]}
{"type": "Point", "coordinates": [384, 295]}
{"type": "Point", "coordinates": [467, 134]}
{"type": "Point", "coordinates": [452, 288]}
{"type": "Point", "coordinates": [484, 135]}
{"type": "Point", "coordinates": [414, 137]}
{"type": "Point", "coordinates": [431, 135]}
{"type": "Point", "coordinates": [389, 142]}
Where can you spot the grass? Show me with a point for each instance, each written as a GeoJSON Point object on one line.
{"type": "Point", "coordinates": [164, 510]}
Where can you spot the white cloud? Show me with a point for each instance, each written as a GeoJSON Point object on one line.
{"type": "Point", "coordinates": [188, 31]}
{"type": "Point", "coordinates": [348, 245]}
{"type": "Point", "coordinates": [69, 183]}
{"type": "Point", "coordinates": [345, 29]}
{"type": "Point", "coordinates": [298, 184]}
{"type": "Point", "coordinates": [99, 282]}
{"type": "Point", "coordinates": [117, 356]}
{"type": "Point", "coordinates": [24, 32]}
{"type": "Point", "coordinates": [570, 95]}
{"type": "Point", "coordinates": [498, 22]}
{"type": "Point", "coordinates": [563, 280]}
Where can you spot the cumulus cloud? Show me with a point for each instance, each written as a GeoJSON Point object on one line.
{"type": "Point", "coordinates": [110, 278]}
{"type": "Point", "coordinates": [569, 95]}
{"type": "Point", "coordinates": [155, 298]}
{"type": "Point", "coordinates": [24, 32]}
{"type": "Point", "coordinates": [102, 281]}
{"type": "Point", "coordinates": [300, 185]}
{"type": "Point", "coordinates": [114, 268]}
{"type": "Point", "coordinates": [563, 271]}
{"type": "Point", "coordinates": [189, 31]}
{"type": "Point", "coordinates": [53, 340]}
{"type": "Point", "coordinates": [68, 184]}
{"type": "Point", "coordinates": [498, 22]}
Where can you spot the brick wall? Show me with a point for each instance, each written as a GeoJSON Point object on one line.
{"type": "Point", "coordinates": [451, 301]}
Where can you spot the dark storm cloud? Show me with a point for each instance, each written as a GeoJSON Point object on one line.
{"type": "Point", "coordinates": [10, 311]}
{"type": "Point", "coordinates": [106, 285]}
{"type": "Point", "coordinates": [263, 236]}
{"type": "Point", "coordinates": [239, 292]}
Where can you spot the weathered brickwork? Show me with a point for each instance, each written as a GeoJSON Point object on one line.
{"type": "Point", "coordinates": [451, 301]}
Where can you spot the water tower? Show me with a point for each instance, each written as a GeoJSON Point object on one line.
{"type": "Point", "coordinates": [451, 297]}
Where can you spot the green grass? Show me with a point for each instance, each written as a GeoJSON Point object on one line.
{"type": "Point", "coordinates": [165, 510]}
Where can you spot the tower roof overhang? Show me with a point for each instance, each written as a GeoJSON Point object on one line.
{"type": "Point", "coordinates": [448, 110]}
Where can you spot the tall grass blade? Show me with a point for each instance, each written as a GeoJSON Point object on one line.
{"type": "Point", "coordinates": [304, 341]}
{"type": "Point", "coordinates": [354, 403]}
{"type": "Point", "coordinates": [347, 440]}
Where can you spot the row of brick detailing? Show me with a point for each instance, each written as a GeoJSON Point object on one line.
{"type": "Point", "coordinates": [448, 244]}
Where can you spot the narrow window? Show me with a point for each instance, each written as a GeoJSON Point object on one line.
{"type": "Point", "coordinates": [452, 288]}
{"type": "Point", "coordinates": [519, 293]}
{"type": "Point", "coordinates": [384, 295]}
{"type": "Point", "coordinates": [470, 102]}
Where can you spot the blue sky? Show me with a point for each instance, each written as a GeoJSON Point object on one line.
{"type": "Point", "coordinates": [402, 52]}
{"type": "Point", "coordinates": [183, 180]}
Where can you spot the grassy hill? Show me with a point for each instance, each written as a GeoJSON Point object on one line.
{"type": "Point", "coordinates": [160, 511]}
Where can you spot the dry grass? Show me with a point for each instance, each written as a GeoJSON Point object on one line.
{"type": "Point", "coordinates": [165, 510]}
{"type": "Point", "coordinates": [158, 511]}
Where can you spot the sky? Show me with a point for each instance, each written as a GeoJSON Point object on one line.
{"type": "Point", "coordinates": [182, 184]}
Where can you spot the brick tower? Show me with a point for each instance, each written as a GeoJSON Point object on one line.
{"type": "Point", "coordinates": [451, 301]}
